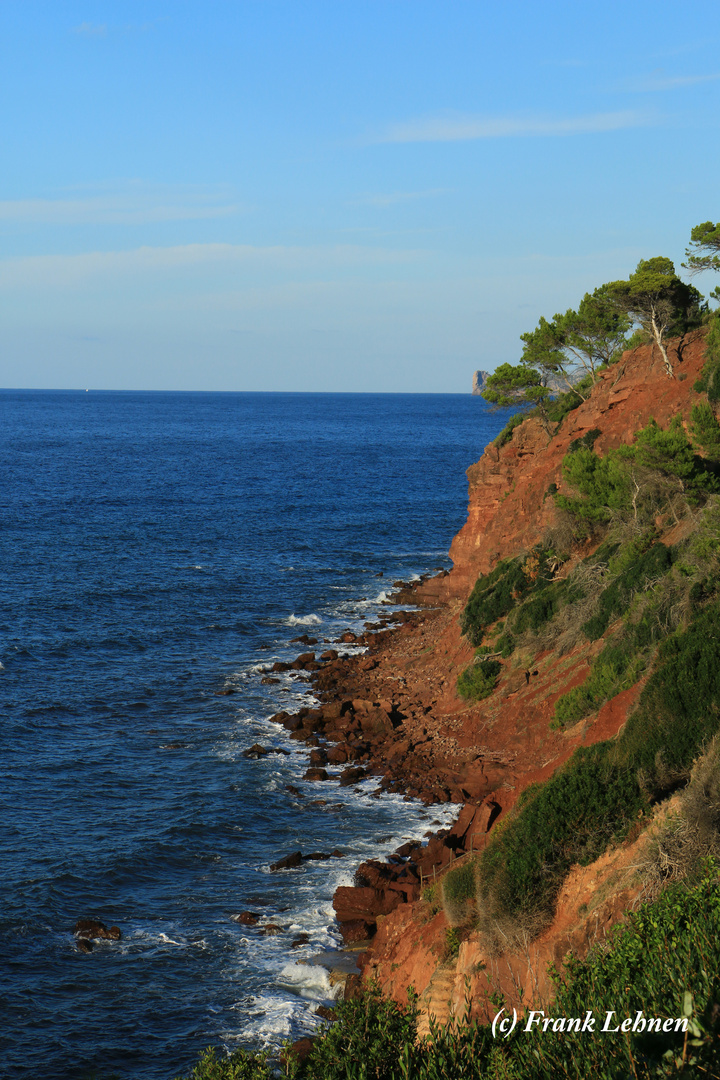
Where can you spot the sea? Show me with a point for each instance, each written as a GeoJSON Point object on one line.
{"type": "Point", "coordinates": [159, 550]}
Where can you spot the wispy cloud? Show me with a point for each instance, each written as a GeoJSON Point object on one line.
{"type": "Point", "coordinates": [395, 197]}
{"type": "Point", "coordinates": [68, 271]}
{"type": "Point", "coordinates": [658, 80]}
{"type": "Point", "coordinates": [135, 204]}
{"type": "Point", "coordinates": [458, 128]}
{"type": "Point", "coordinates": [96, 30]}
{"type": "Point", "coordinates": [87, 29]}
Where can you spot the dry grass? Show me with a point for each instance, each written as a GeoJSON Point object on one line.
{"type": "Point", "coordinates": [691, 833]}
{"type": "Point", "coordinates": [501, 933]}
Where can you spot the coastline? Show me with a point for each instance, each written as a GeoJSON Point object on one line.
{"type": "Point", "coordinates": [394, 712]}
{"type": "Point", "coordinates": [373, 720]}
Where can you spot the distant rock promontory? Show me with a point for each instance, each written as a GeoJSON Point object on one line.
{"type": "Point", "coordinates": [479, 379]}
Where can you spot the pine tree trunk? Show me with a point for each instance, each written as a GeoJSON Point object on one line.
{"type": "Point", "coordinates": [658, 335]}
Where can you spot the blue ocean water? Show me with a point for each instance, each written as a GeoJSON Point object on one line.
{"type": "Point", "coordinates": [158, 549]}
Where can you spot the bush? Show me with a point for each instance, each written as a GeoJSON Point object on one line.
{"type": "Point", "coordinates": [458, 889]}
{"type": "Point", "coordinates": [536, 612]}
{"type": "Point", "coordinates": [636, 577]}
{"type": "Point", "coordinates": [478, 680]}
{"type": "Point", "coordinates": [370, 1035]}
{"type": "Point", "coordinates": [586, 441]}
{"type": "Point", "coordinates": [452, 943]}
{"type": "Point", "coordinates": [493, 596]}
{"type": "Point", "coordinates": [679, 707]}
{"type": "Point", "coordinates": [626, 655]}
{"type": "Point", "coordinates": [505, 645]}
{"type": "Point", "coordinates": [242, 1065]}
{"type": "Point", "coordinates": [705, 429]}
{"type": "Point", "coordinates": [709, 381]}
{"type": "Point", "coordinates": [571, 818]}
{"type": "Point", "coordinates": [615, 669]}
{"type": "Point", "coordinates": [602, 483]}
{"type": "Point", "coordinates": [564, 403]}
{"type": "Point", "coordinates": [497, 593]}
{"type": "Point", "coordinates": [638, 479]}
{"type": "Point", "coordinates": [506, 434]}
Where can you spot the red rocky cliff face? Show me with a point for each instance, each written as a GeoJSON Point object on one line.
{"type": "Point", "coordinates": [509, 505]}
{"type": "Point", "coordinates": [486, 754]}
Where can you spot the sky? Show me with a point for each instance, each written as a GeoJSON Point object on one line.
{"type": "Point", "coordinates": [335, 195]}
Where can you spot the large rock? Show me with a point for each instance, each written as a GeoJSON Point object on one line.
{"type": "Point", "coordinates": [289, 862]}
{"type": "Point", "coordinates": [337, 755]}
{"type": "Point", "coordinates": [302, 661]}
{"type": "Point", "coordinates": [352, 776]}
{"type": "Point", "coordinates": [316, 774]}
{"type": "Point", "coordinates": [351, 903]}
{"type": "Point", "coordinates": [355, 930]}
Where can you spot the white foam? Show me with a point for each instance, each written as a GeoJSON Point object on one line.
{"type": "Point", "coordinates": [273, 1020]}
{"type": "Point", "coordinates": [308, 981]}
{"type": "Point", "coordinates": [303, 620]}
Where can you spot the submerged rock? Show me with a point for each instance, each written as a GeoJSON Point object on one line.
{"type": "Point", "coordinates": [88, 929]}
{"type": "Point", "coordinates": [246, 918]}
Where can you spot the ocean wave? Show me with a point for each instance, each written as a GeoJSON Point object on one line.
{"type": "Point", "coordinates": [303, 620]}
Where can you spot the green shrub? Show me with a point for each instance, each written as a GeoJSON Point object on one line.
{"type": "Point", "coordinates": [493, 596]}
{"type": "Point", "coordinates": [458, 889]}
{"type": "Point", "coordinates": [505, 645]}
{"type": "Point", "coordinates": [496, 594]}
{"type": "Point", "coordinates": [506, 434]}
{"type": "Point", "coordinates": [709, 381]}
{"type": "Point", "coordinates": [563, 404]}
{"type": "Point", "coordinates": [630, 480]}
{"type": "Point", "coordinates": [367, 1041]}
{"type": "Point", "coordinates": [586, 441]}
{"type": "Point", "coordinates": [602, 483]}
{"type": "Point", "coordinates": [452, 943]}
{"type": "Point", "coordinates": [242, 1065]}
{"type": "Point", "coordinates": [617, 667]}
{"type": "Point", "coordinates": [679, 707]}
{"type": "Point", "coordinates": [478, 680]}
{"type": "Point", "coordinates": [705, 429]}
{"type": "Point", "coordinates": [536, 612]}
{"type": "Point", "coordinates": [571, 818]}
{"type": "Point", "coordinates": [626, 655]}
{"type": "Point", "coordinates": [636, 577]}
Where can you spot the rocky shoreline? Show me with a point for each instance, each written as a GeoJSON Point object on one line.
{"type": "Point", "coordinates": [393, 712]}
{"type": "Point", "coordinates": [373, 720]}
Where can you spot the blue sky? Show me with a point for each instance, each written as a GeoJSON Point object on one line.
{"type": "Point", "coordinates": [362, 196]}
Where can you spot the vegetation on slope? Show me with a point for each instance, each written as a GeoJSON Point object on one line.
{"type": "Point", "coordinates": [664, 965]}
{"type": "Point", "coordinates": [656, 606]}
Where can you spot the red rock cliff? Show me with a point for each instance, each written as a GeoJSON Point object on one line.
{"type": "Point", "coordinates": [486, 754]}
{"type": "Point", "coordinates": [509, 509]}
